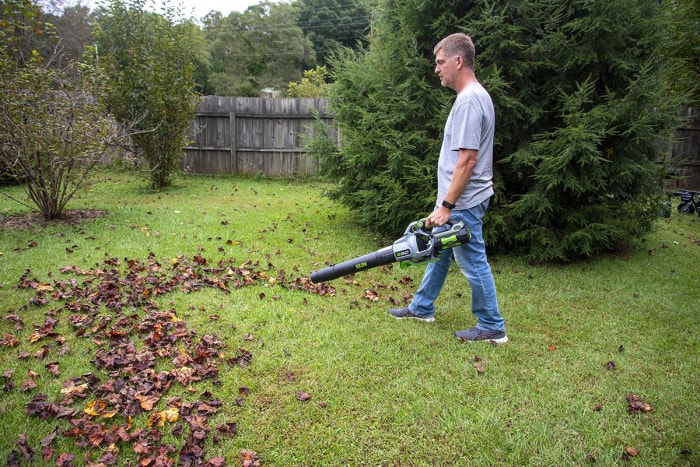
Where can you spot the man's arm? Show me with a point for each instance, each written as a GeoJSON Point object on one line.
{"type": "Point", "coordinates": [462, 174]}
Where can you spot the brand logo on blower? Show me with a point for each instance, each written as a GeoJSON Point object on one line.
{"type": "Point", "coordinates": [402, 253]}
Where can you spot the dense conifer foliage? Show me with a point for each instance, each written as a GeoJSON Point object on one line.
{"type": "Point", "coordinates": [584, 109]}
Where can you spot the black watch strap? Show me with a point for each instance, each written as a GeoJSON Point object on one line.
{"type": "Point", "coordinates": [448, 205]}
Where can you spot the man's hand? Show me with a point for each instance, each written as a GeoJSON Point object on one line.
{"type": "Point", "coordinates": [439, 217]}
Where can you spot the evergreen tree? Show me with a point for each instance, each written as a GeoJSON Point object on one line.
{"type": "Point", "coordinates": [385, 166]}
{"type": "Point", "coordinates": [582, 103]}
{"type": "Point", "coordinates": [583, 178]}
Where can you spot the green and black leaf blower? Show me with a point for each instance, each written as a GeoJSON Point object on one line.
{"type": "Point", "coordinates": [417, 245]}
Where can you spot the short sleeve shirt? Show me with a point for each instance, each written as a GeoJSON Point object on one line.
{"type": "Point", "coordinates": [470, 125]}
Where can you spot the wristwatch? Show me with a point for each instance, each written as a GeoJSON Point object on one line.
{"type": "Point", "coordinates": [448, 205]}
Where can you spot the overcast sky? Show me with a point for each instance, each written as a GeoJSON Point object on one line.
{"type": "Point", "coordinates": [202, 7]}
{"type": "Point", "coordinates": [199, 7]}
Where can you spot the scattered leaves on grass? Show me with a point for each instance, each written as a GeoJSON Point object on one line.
{"type": "Point", "coordinates": [30, 383]}
{"type": "Point", "coordinates": [9, 340]}
{"type": "Point", "coordinates": [632, 451]}
{"type": "Point", "coordinates": [16, 320]}
{"type": "Point", "coordinates": [227, 429]}
{"type": "Point", "coordinates": [242, 358]}
{"type": "Point", "coordinates": [629, 453]}
{"type": "Point", "coordinates": [371, 295]}
{"type": "Point", "coordinates": [636, 404]}
{"type": "Point", "coordinates": [303, 396]}
{"type": "Point", "coordinates": [141, 351]}
{"type": "Point", "coordinates": [217, 461]}
{"type": "Point", "coordinates": [249, 458]}
{"type": "Point", "coordinates": [65, 460]}
{"type": "Point", "coordinates": [46, 449]}
{"type": "Point", "coordinates": [24, 448]}
{"type": "Point", "coordinates": [405, 280]}
{"type": "Point", "coordinates": [158, 419]}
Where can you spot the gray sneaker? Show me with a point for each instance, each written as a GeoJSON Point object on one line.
{"type": "Point", "coordinates": [474, 334]}
{"type": "Point", "coordinates": [402, 313]}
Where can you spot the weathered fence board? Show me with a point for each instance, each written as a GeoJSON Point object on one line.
{"type": "Point", "coordinates": [250, 135]}
{"type": "Point", "coordinates": [685, 151]}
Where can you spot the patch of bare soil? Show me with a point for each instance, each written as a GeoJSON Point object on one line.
{"type": "Point", "coordinates": [34, 219]}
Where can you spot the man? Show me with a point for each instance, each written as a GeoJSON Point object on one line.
{"type": "Point", "coordinates": [465, 173]}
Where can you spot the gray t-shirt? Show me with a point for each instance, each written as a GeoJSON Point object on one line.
{"type": "Point", "coordinates": [471, 125]}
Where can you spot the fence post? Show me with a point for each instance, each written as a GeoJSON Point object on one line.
{"type": "Point", "coordinates": [233, 144]}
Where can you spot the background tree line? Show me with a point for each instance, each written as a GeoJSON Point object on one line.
{"type": "Point", "coordinates": [268, 45]}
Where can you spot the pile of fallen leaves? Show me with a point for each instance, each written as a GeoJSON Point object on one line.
{"type": "Point", "coordinates": [141, 352]}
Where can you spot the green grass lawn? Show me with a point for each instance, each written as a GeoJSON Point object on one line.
{"type": "Point", "coordinates": [332, 379]}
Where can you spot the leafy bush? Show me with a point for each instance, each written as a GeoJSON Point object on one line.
{"type": "Point", "coordinates": [312, 84]}
{"type": "Point", "coordinates": [53, 127]}
{"type": "Point", "coordinates": [152, 89]}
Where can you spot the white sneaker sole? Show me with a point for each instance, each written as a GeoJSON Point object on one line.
{"type": "Point", "coordinates": [500, 340]}
{"type": "Point", "coordinates": [425, 320]}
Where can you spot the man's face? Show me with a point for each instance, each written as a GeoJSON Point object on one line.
{"type": "Point", "coordinates": [446, 68]}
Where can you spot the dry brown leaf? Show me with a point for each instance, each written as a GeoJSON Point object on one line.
{"type": "Point", "coordinates": [636, 404]}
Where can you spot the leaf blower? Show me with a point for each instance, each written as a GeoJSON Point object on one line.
{"type": "Point", "coordinates": [417, 245]}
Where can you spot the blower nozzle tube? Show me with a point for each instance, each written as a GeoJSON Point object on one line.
{"type": "Point", "coordinates": [368, 261]}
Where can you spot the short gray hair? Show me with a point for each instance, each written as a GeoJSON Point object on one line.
{"type": "Point", "coordinates": [458, 44]}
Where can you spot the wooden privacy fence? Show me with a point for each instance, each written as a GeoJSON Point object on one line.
{"type": "Point", "coordinates": [252, 135]}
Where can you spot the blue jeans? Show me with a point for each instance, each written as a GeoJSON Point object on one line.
{"type": "Point", "coordinates": [472, 261]}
